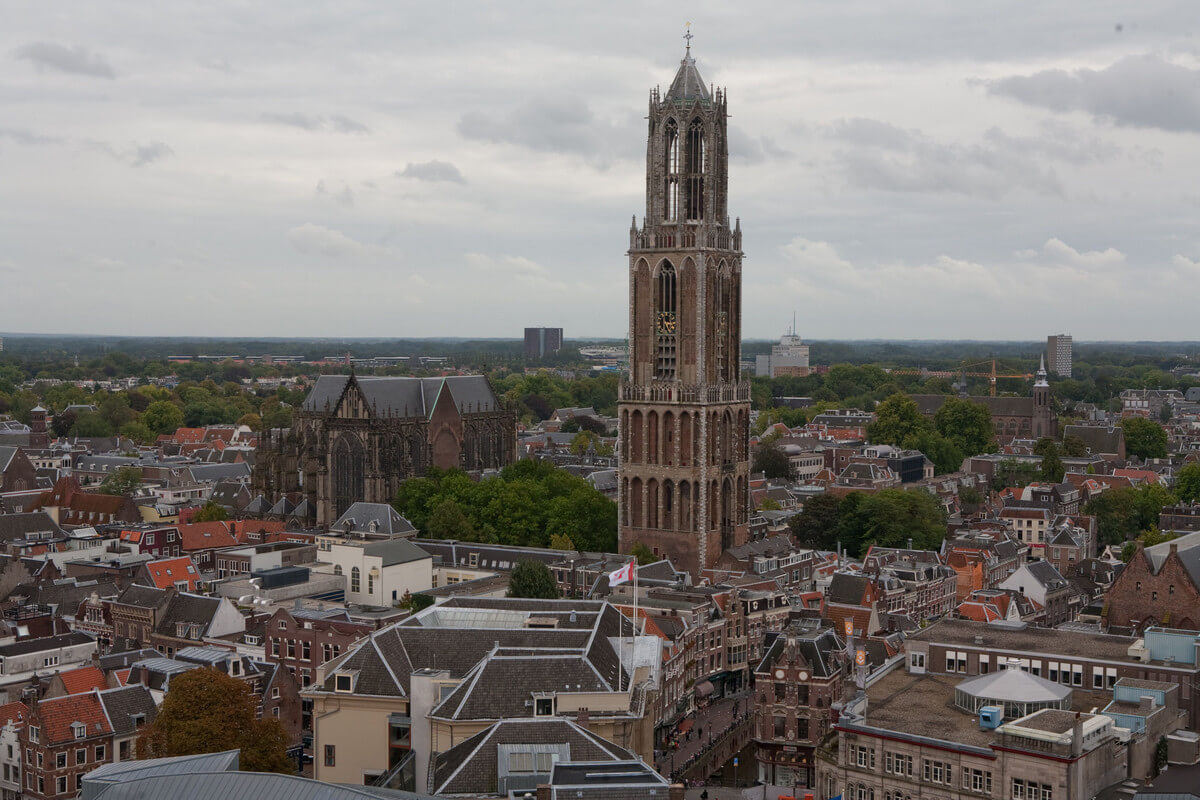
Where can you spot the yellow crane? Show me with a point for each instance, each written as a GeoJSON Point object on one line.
{"type": "Point", "coordinates": [992, 376]}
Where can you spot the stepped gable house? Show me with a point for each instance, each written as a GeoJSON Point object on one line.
{"type": "Point", "coordinates": [357, 438]}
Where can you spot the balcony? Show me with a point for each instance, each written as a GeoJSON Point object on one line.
{"type": "Point", "coordinates": [688, 394]}
{"type": "Point", "coordinates": [684, 236]}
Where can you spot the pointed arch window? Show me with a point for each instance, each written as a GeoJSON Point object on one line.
{"type": "Point", "coordinates": [695, 172]}
{"type": "Point", "coordinates": [666, 322]}
{"type": "Point", "coordinates": [723, 321]}
{"type": "Point", "coordinates": [349, 465]}
{"type": "Point", "coordinates": [671, 157]}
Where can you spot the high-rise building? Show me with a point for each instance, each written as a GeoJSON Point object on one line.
{"type": "Point", "coordinates": [788, 359]}
{"type": "Point", "coordinates": [541, 342]}
{"type": "Point", "coordinates": [1058, 352]}
{"type": "Point", "coordinates": [685, 411]}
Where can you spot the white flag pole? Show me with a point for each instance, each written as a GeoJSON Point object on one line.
{"type": "Point", "coordinates": [633, 639]}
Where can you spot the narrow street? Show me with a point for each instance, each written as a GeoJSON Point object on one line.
{"type": "Point", "coordinates": [706, 726]}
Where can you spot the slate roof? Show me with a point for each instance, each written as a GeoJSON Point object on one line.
{"type": "Point", "coordinates": [125, 705]}
{"type": "Point", "coordinates": [687, 85]}
{"type": "Point", "coordinates": [472, 767]}
{"type": "Point", "coordinates": [361, 515]}
{"type": "Point", "coordinates": [22, 526]}
{"type": "Point", "coordinates": [818, 648]}
{"type": "Point", "coordinates": [141, 596]}
{"type": "Point", "coordinates": [1189, 554]}
{"type": "Point", "coordinates": [847, 589]}
{"type": "Point", "coordinates": [213, 473]}
{"type": "Point", "coordinates": [502, 685]}
{"type": "Point", "coordinates": [188, 608]}
{"type": "Point", "coordinates": [404, 396]}
{"type": "Point", "coordinates": [395, 551]}
{"type": "Point", "coordinates": [45, 643]}
{"type": "Point", "coordinates": [216, 781]}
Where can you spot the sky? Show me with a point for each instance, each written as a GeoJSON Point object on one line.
{"type": "Point", "coordinates": [997, 169]}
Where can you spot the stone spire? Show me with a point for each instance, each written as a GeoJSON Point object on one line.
{"type": "Point", "coordinates": [688, 85]}
{"type": "Point", "coordinates": [1041, 373]}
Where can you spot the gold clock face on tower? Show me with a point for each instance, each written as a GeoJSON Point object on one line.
{"type": "Point", "coordinates": [666, 322]}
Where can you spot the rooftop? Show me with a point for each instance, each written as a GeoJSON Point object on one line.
{"type": "Point", "coordinates": [1010, 637]}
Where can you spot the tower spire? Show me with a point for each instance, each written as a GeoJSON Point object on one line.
{"type": "Point", "coordinates": [687, 35]}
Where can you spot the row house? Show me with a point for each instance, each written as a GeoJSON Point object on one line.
{"type": "Point", "coordinates": [1029, 523]}
{"type": "Point", "coordinates": [775, 558]}
{"type": "Point", "coordinates": [160, 541]}
{"type": "Point", "coordinates": [982, 557]}
{"type": "Point", "coordinates": [796, 684]}
{"type": "Point", "coordinates": [1054, 595]}
{"type": "Point", "coordinates": [1159, 586]}
{"type": "Point", "coordinates": [64, 738]}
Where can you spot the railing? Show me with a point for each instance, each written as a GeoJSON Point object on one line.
{"type": "Point", "coordinates": [681, 237]}
{"type": "Point", "coordinates": [667, 392]}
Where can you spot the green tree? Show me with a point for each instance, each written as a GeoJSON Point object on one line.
{"type": "Point", "coordinates": [90, 424]}
{"type": "Point", "coordinates": [125, 481]}
{"type": "Point", "coordinates": [1073, 446]}
{"type": "Point", "coordinates": [163, 417]}
{"type": "Point", "coordinates": [586, 518]}
{"type": "Point", "coordinates": [891, 517]}
{"type": "Point", "coordinates": [1124, 514]}
{"type": "Point", "coordinates": [1052, 468]}
{"type": "Point", "coordinates": [560, 541]}
{"type": "Point", "coordinates": [816, 525]}
{"type": "Point", "coordinates": [138, 432]}
{"type": "Point", "coordinates": [897, 420]}
{"type": "Point", "coordinates": [532, 579]}
{"type": "Point", "coordinates": [211, 512]}
{"type": "Point", "coordinates": [967, 424]}
{"type": "Point", "coordinates": [447, 521]}
{"type": "Point", "coordinates": [116, 411]}
{"type": "Point", "coordinates": [770, 460]}
{"type": "Point", "coordinates": [1187, 483]}
{"type": "Point", "coordinates": [1011, 472]}
{"type": "Point", "coordinates": [643, 554]}
{"type": "Point", "coordinates": [944, 453]}
{"type": "Point", "coordinates": [1144, 438]}
{"type": "Point", "coordinates": [207, 711]}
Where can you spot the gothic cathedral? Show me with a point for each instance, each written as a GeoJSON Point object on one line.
{"type": "Point", "coordinates": [684, 410]}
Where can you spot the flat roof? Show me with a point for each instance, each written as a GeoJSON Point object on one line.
{"type": "Point", "coordinates": [1027, 640]}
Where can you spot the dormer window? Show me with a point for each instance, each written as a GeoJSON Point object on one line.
{"type": "Point", "coordinates": [543, 706]}
{"type": "Point", "coordinates": [344, 681]}
{"type": "Point", "coordinates": [79, 729]}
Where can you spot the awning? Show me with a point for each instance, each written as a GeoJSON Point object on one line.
{"type": "Point", "coordinates": [686, 725]}
{"type": "Point", "coordinates": [704, 688]}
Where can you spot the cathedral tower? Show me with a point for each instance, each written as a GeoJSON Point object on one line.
{"type": "Point", "coordinates": [684, 410]}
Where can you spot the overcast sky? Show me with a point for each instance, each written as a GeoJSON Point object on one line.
{"type": "Point", "coordinates": [942, 169]}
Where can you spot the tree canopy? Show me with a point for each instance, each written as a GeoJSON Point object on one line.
{"type": "Point", "coordinates": [1124, 514]}
{"type": "Point", "coordinates": [1144, 438]}
{"type": "Point", "coordinates": [529, 502]}
{"type": "Point", "coordinates": [896, 420]}
{"type": "Point", "coordinates": [207, 711]}
{"type": "Point", "coordinates": [532, 579]}
{"type": "Point", "coordinates": [125, 481]}
{"type": "Point", "coordinates": [888, 518]}
{"type": "Point", "coordinates": [968, 425]}
{"type": "Point", "coordinates": [770, 459]}
{"type": "Point", "coordinates": [211, 512]}
{"type": "Point", "coordinates": [1187, 483]}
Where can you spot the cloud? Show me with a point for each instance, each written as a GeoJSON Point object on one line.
{"type": "Point", "coordinates": [564, 125]}
{"type": "Point", "coordinates": [78, 60]}
{"type": "Point", "coordinates": [878, 155]}
{"type": "Point", "coordinates": [1138, 91]}
{"type": "Point", "coordinates": [336, 123]}
{"type": "Point", "coordinates": [136, 155]}
{"type": "Point", "coordinates": [432, 171]}
{"type": "Point", "coordinates": [753, 149]}
{"type": "Point", "coordinates": [1186, 265]}
{"type": "Point", "coordinates": [317, 240]}
{"type": "Point", "coordinates": [1063, 253]}
{"type": "Point", "coordinates": [27, 137]}
{"type": "Point", "coordinates": [345, 197]}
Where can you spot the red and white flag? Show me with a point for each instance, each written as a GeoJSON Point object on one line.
{"type": "Point", "coordinates": [622, 575]}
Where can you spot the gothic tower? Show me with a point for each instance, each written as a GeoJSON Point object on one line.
{"type": "Point", "coordinates": [1044, 422]}
{"type": "Point", "coordinates": [684, 410]}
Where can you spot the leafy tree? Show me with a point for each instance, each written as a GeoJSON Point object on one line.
{"type": "Point", "coordinates": [770, 459]}
{"type": "Point", "coordinates": [1144, 438]}
{"type": "Point", "coordinates": [967, 424]}
{"type": "Point", "coordinates": [570, 426]}
{"type": "Point", "coordinates": [62, 423]}
{"type": "Point", "coordinates": [896, 420]}
{"type": "Point", "coordinates": [817, 525]}
{"type": "Point", "coordinates": [1187, 483]}
{"type": "Point", "coordinates": [560, 541]}
{"type": "Point", "coordinates": [116, 410]}
{"type": "Point", "coordinates": [1073, 446]}
{"type": "Point", "coordinates": [1052, 468]}
{"type": "Point", "coordinates": [970, 496]}
{"type": "Point", "coordinates": [251, 420]}
{"type": "Point", "coordinates": [532, 579]}
{"type": "Point", "coordinates": [1148, 539]}
{"type": "Point", "coordinates": [90, 424]}
{"type": "Point", "coordinates": [207, 711]}
{"type": "Point", "coordinates": [769, 504]}
{"type": "Point", "coordinates": [1011, 472]}
{"type": "Point", "coordinates": [584, 517]}
{"type": "Point", "coordinates": [163, 417]}
{"type": "Point", "coordinates": [138, 432]}
{"type": "Point", "coordinates": [1123, 514]}
{"type": "Point", "coordinates": [125, 481]}
{"type": "Point", "coordinates": [585, 439]}
{"type": "Point", "coordinates": [211, 512]}
{"type": "Point", "coordinates": [944, 453]}
{"type": "Point", "coordinates": [890, 518]}
{"type": "Point", "coordinates": [447, 521]}
{"type": "Point", "coordinates": [643, 554]}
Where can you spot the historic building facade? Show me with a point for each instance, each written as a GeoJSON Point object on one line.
{"type": "Point", "coordinates": [684, 409]}
{"type": "Point", "coordinates": [357, 438]}
{"type": "Point", "coordinates": [1012, 417]}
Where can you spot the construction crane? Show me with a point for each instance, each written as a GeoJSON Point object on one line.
{"type": "Point", "coordinates": [963, 371]}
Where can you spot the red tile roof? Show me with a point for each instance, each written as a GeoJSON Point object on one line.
{"type": "Point", "coordinates": [83, 679]}
{"type": "Point", "coordinates": [205, 535]}
{"type": "Point", "coordinates": [13, 712]}
{"type": "Point", "coordinates": [58, 714]}
{"type": "Point", "coordinates": [166, 572]}
{"type": "Point", "coordinates": [980, 612]}
{"type": "Point", "coordinates": [123, 676]}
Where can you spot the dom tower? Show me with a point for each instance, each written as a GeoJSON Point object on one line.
{"type": "Point", "coordinates": [685, 413]}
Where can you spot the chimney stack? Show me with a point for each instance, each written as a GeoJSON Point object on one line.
{"type": "Point", "coordinates": [1077, 736]}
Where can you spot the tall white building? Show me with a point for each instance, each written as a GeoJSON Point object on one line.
{"type": "Point", "coordinates": [789, 359]}
{"type": "Point", "coordinates": [1058, 352]}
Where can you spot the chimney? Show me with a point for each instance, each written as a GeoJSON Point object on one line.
{"type": "Point", "coordinates": [1146, 703]}
{"type": "Point", "coordinates": [583, 717]}
{"type": "Point", "coordinates": [1077, 736]}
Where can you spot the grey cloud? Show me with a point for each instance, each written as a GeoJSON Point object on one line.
{"type": "Point", "coordinates": [432, 171]}
{"type": "Point", "coordinates": [76, 60]}
{"type": "Point", "coordinates": [28, 137]}
{"type": "Point", "coordinates": [139, 155]}
{"type": "Point", "coordinates": [550, 125]}
{"type": "Point", "coordinates": [753, 149]}
{"type": "Point", "coordinates": [316, 122]}
{"type": "Point", "coordinates": [887, 157]}
{"type": "Point", "coordinates": [345, 197]}
{"type": "Point", "coordinates": [1139, 91]}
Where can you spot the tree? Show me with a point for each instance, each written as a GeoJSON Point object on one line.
{"type": "Point", "coordinates": [897, 419]}
{"type": "Point", "coordinates": [62, 423]}
{"type": "Point", "coordinates": [251, 420]}
{"type": "Point", "coordinates": [560, 541]}
{"type": "Point", "coordinates": [967, 424]}
{"type": "Point", "coordinates": [944, 453]}
{"type": "Point", "coordinates": [890, 518]}
{"type": "Point", "coordinates": [970, 496]}
{"type": "Point", "coordinates": [770, 460]}
{"type": "Point", "coordinates": [207, 711]}
{"type": "Point", "coordinates": [1073, 446]}
{"type": "Point", "coordinates": [769, 504]}
{"type": "Point", "coordinates": [447, 521]}
{"type": "Point", "coordinates": [163, 417]}
{"type": "Point", "coordinates": [211, 512]}
{"type": "Point", "coordinates": [643, 554]}
{"type": "Point", "coordinates": [1124, 514]}
{"type": "Point", "coordinates": [816, 526]}
{"type": "Point", "coordinates": [1052, 468]}
{"type": "Point", "coordinates": [89, 424]}
{"type": "Point", "coordinates": [1144, 438]}
{"type": "Point", "coordinates": [532, 579]}
{"type": "Point", "coordinates": [1187, 483]}
{"type": "Point", "coordinates": [125, 482]}
{"type": "Point", "coordinates": [138, 432]}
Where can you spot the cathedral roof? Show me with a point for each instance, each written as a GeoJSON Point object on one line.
{"type": "Point", "coordinates": [688, 85]}
{"type": "Point", "coordinates": [405, 397]}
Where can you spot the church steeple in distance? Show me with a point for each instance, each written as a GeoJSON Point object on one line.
{"type": "Point", "coordinates": [684, 409]}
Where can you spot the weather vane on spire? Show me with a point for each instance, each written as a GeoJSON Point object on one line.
{"type": "Point", "coordinates": [688, 35]}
